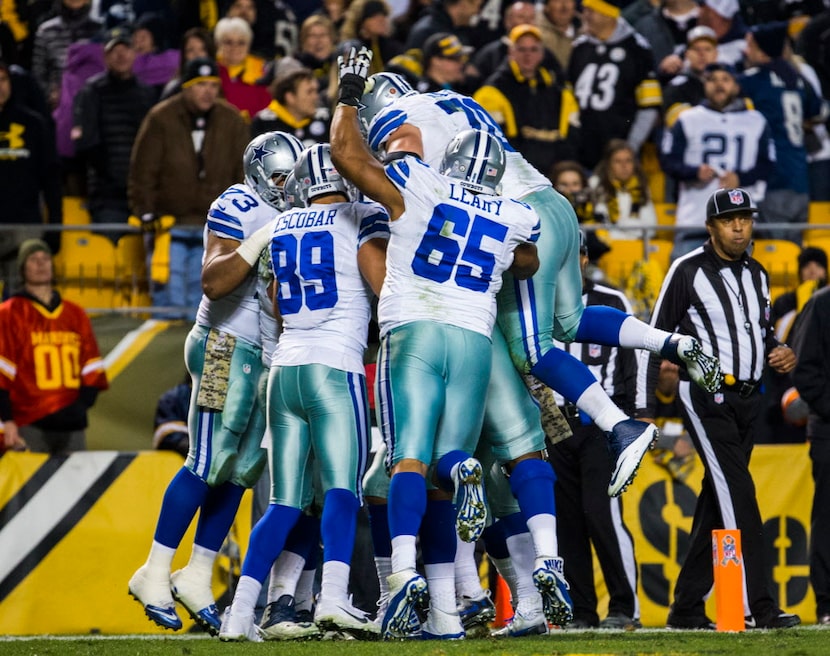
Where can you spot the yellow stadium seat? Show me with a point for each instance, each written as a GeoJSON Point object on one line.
{"type": "Point", "coordinates": [818, 213]}
{"type": "Point", "coordinates": [131, 268]}
{"type": "Point", "coordinates": [618, 263]}
{"type": "Point", "coordinates": [75, 211]}
{"type": "Point", "coordinates": [820, 242]}
{"type": "Point", "coordinates": [86, 255]}
{"type": "Point", "coordinates": [780, 259]}
{"type": "Point", "coordinates": [85, 269]}
{"type": "Point", "coordinates": [665, 216]}
{"type": "Point", "coordinates": [89, 295]}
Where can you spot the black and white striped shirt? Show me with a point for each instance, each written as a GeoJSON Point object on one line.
{"type": "Point", "coordinates": [724, 304]}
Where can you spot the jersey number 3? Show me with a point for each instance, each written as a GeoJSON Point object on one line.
{"type": "Point", "coordinates": [440, 256]}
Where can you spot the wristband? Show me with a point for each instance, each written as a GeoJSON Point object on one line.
{"type": "Point", "coordinates": [250, 249]}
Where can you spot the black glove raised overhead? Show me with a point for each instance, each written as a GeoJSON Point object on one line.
{"type": "Point", "coordinates": [353, 69]}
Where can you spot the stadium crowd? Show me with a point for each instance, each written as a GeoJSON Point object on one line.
{"type": "Point", "coordinates": [179, 117]}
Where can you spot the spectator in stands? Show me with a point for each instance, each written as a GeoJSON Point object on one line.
{"type": "Point", "coordinates": [170, 423]}
{"type": "Point", "coordinates": [44, 407]}
{"type": "Point", "coordinates": [686, 89]}
{"type": "Point", "coordinates": [816, 135]}
{"type": "Point", "coordinates": [636, 9]}
{"type": "Point", "coordinates": [187, 151]}
{"type": "Point", "coordinates": [444, 63]}
{"type": "Point", "coordinates": [196, 42]}
{"type": "Point", "coordinates": [585, 515]}
{"type": "Point", "coordinates": [665, 28]}
{"type": "Point", "coordinates": [53, 38]}
{"type": "Point", "coordinates": [788, 102]}
{"type": "Point", "coordinates": [239, 70]}
{"type": "Point", "coordinates": [621, 192]}
{"type": "Point", "coordinates": [262, 44]}
{"type": "Point", "coordinates": [569, 179]}
{"type": "Point", "coordinates": [155, 63]}
{"type": "Point", "coordinates": [454, 16]}
{"type": "Point", "coordinates": [812, 378]}
{"type": "Point", "coordinates": [403, 22]}
{"type": "Point", "coordinates": [335, 11]}
{"type": "Point", "coordinates": [539, 115]}
{"type": "Point", "coordinates": [491, 55]}
{"type": "Point", "coordinates": [724, 17]}
{"type": "Point", "coordinates": [295, 109]}
{"type": "Point", "coordinates": [623, 101]}
{"type": "Point", "coordinates": [107, 114]}
{"type": "Point", "coordinates": [367, 24]}
{"type": "Point", "coordinates": [316, 51]}
{"type": "Point", "coordinates": [28, 166]}
{"type": "Point", "coordinates": [559, 24]}
{"type": "Point", "coordinates": [746, 156]}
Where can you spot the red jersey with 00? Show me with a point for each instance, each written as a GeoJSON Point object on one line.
{"type": "Point", "coordinates": [46, 356]}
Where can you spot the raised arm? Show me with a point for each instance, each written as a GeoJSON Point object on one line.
{"type": "Point", "coordinates": [349, 151]}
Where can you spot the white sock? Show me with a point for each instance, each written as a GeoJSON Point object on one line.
{"type": "Point", "coordinates": [160, 561]}
{"type": "Point", "coordinates": [441, 582]}
{"type": "Point", "coordinates": [285, 572]}
{"type": "Point", "coordinates": [201, 561]}
{"type": "Point", "coordinates": [523, 555]}
{"type": "Point", "coordinates": [638, 334]}
{"type": "Point", "coordinates": [335, 582]}
{"type": "Point", "coordinates": [246, 595]}
{"type": "Point", "coordinates": [403, 553]}
{"type": "Point", "coordinates": [383, 565]}
{"type": "Point", "coordinates": [467, 581]}
{"type": "Point", "coordinates": [596, 403]}
{"type": "Point", "coordinates": [542, 529]}
{"type": "Point", "coordinates": [304, 593]}
{"type": "Point", "coordinates": [508, 573]}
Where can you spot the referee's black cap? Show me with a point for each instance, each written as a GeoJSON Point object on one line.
{"type": "Point", "coordinates": [729, 201]}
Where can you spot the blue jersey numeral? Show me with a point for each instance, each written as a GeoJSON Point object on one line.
{"type": "Point", "coordinates": [477, 116]}
{"type": "Point", "coordinates": [440, 257]}
{"type": "Point", "coordinates": [240, 200]}
{"type": "Point", "coordinates": [304, 270]}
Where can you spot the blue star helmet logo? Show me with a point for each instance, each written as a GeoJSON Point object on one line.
{"type": "Point", "coordinates": [260, 153]}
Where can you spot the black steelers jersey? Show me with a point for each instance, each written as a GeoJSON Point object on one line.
{"type": "Point", "coordinates": [612, 80]}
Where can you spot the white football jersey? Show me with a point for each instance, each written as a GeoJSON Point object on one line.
{"type": "Point", "coordinates": [440, 116]}
{"type": "Point", "coordinates": [727, 141]}
{"type": "Point", "coordinates": [236, 214]}
{"type": "Point", "coordinates": [448, 250]}
{"type": "Point", "coordinates": [323, 300]}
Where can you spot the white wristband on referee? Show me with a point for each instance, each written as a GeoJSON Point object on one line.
{"type": "Point", "coordinates": [250, 249]}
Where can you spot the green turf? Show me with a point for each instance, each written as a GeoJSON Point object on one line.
{"type": "Point", "coordinates": [122, 418]}
{"type": "Point", "coordinates": [806, 641]}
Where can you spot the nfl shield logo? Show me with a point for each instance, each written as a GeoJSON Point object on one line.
{"type": "Point", "coordinates": [736, 197]}
{"type": "Point", "coordinates": [594, 350]}
{"type": "Point", "coordinates": [719, 397]}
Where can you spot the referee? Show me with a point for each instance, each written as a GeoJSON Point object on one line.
{"type": "Point", "coordinates": [719, 294]}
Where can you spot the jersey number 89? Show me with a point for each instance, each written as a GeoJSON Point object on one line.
{"type": "Point", "coordinates": [304, 270]}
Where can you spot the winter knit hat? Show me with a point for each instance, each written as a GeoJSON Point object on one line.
{"type": "Point", "coordinates": [770, 37]}
{"type": "Point", "coordinates": [28, 248]}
